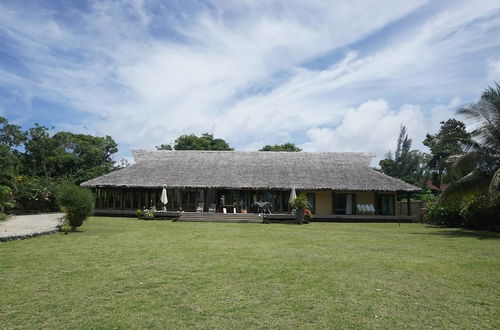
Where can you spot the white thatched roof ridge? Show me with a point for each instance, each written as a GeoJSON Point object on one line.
{"type": "Point", "coordinates": [251, 170]}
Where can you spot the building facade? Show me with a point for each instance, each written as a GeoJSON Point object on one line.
{"type": "Point", "coordinates": [334, 183]}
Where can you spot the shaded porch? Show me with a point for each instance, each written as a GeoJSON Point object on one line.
{"type": "Point", "coordinates": [191, 200]}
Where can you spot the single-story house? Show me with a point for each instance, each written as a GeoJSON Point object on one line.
{"type": "Point", "coordinates": [334, 182]}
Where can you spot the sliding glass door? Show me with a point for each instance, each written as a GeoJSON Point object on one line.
{"type": "Point", "coordinates": [344, 203]}
{"type": "Point", "coordinates": [385, 204]}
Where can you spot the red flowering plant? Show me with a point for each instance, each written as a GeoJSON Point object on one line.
{"type": "Point", "coordinates": [307, 215]}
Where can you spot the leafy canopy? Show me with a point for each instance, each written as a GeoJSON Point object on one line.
{"type": "Point", "coordinates": [405, 164]}
{"type": "Point", "coordinates": [444, 147]}
{"type": "Point", "coordinates": [281, 147]}
{"type": "Point", "coordinates": [76, 156]}
{"type": "Point", "coordinates": [192, 142]}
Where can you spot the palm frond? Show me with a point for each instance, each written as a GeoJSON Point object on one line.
{"type": "Point", "coordinates": [467, 163]}
{"type": "Point", "coordinates": [472, 183]}
{"type": "Point", "coordinates": [492, 94]}
{"type": "Point", "coordinates": [495, 182]}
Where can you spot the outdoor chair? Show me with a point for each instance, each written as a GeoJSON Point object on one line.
{"type": "Point", "coordinates": [200, 208]}
{"type": "Point", "coordinates": [211, 208]}
{"type": "Point", "coordinates": [264, 206]}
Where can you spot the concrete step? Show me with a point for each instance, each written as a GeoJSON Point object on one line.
{"type": "Point", "coordinates": [220, 217]}
{"type": "Point", "coordinates": [220, 220]}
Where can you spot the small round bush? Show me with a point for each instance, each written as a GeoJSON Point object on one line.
{"type": "Point", "coordinates": [76, 202]}
{"type": "Point", "coordinates": [148, 215]}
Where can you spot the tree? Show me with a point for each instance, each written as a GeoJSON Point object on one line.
{"type": "Point", "coordinates": [11, 137]}
{"type": "Point", "coordinates": [444, 146]}
{"type": "Point", "coordinates": [406, 164]}
{"type": "Point", "coordinates": [281, 147]}
{"type": "Point", "coordinates": [192, 142]}
{"type": "Point", "coordinates": [78, 157]}
{"type": "Point", "coordinates": [38, 147]}
{"type": "Point", "coordinates": [164, 147]}
{"type": "Point", "coordinates": [477, 169]}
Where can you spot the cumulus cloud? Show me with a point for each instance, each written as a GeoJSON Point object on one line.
{"type": "Point", "coordinates": [494, 70]}
{"type": "Point", "coordinates": [374, 126]}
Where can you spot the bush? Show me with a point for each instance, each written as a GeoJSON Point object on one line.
{"type": "Point", "coordinates": [65, 228]}
{"type": "Point", "coordinates": [35, 194]}
{"type": "Point", "coordinates": [148, 215]}
{"type": "Point", "coordinates": [6, 198]}
{"type": "Point", "coordinates": [300, 202]}
{"type": "Point", "coordinates": [444, 215]}
{"type": "Point", "coordinates": [139, 213]}
{"type": "Point", "coordinates": [76, 202]}
{"type": "Point", "coordinates": [3, 216]}
{"type": "Point", "coordinates": [482, 213]}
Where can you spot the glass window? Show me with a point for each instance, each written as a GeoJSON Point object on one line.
{"type": "Point", "coordinates": [311, 198]}
{"type": "Point", "coordinates": [344, 203]}
{"type": "Point", "coordinates": [385, 204]}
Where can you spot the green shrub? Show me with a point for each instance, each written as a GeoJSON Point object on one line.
{"type": "Point", "coordinates": [139, 213]}
{"type": "Point", "coordinates": [482, 213]}
{"type": "Point", "coordinates": [444, 215]}
{"type": "Point", "coordinates": [300, 202]}
{"type": "Point", "coordinates": [65, 228]}
{"type": "Point", "coordinates": [148, 215]}
{"type": "Point", "coordinates": [3, 216]}
{"type": "Point", "coordinates": [6, 198]}
{"type": "Point", "coordinates": [76, 202]}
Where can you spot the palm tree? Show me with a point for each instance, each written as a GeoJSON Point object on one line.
{"type": "Point", "coordinates": [477, 170]}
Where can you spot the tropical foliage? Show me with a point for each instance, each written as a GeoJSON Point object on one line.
{"type": "Point", "coordinates": [477, 169]}
{"type": "Point", "coordinates": [300, 203]}
{"type": "Point", "coordinates": [471, 199]}
{"type": "Point", "coordinates": [406, 164]}
{"type": "Point", "coordinates": [34, 161]}
{"type": "Point", "coordinates": [281, 147]}
{"type": "Point", "coordinates": [192, 142]}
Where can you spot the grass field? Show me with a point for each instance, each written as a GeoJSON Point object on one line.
{"type": "Point", "coordinates": [126, 273]}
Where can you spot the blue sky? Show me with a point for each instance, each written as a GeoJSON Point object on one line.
{"type": "Point", "coordinates": [326, 75]}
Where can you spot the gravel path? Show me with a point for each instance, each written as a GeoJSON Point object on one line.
{"type": "Point", "coordinates": [23, 226]}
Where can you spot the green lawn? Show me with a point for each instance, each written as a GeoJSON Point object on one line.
{"type": "Point", "coordinates": [123, 273]}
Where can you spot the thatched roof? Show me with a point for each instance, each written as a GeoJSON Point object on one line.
{"type": "Point", "coordinates": [251, 170]}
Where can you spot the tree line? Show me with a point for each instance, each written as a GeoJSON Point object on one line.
{"type": "Point", "coordinates": [33, 162]}
{"type": "Point", "coordinates": [207, 142]}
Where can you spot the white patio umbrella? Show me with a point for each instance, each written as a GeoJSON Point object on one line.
{"type": "Point", "coordinates": [163, 198]}
{"type": "Point", "coordinates": [293, 195]}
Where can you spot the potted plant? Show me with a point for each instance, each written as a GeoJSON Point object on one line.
{"type": "Point", "coordinates": [300, 204]}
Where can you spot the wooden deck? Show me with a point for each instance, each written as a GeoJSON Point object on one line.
{"type": "Point", "coordinates": [256, 218]}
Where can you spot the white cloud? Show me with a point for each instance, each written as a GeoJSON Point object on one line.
{"type": "Point", "coordinates": [374, 127]}
{"type": "Point", "coordinates": [494, 70]}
